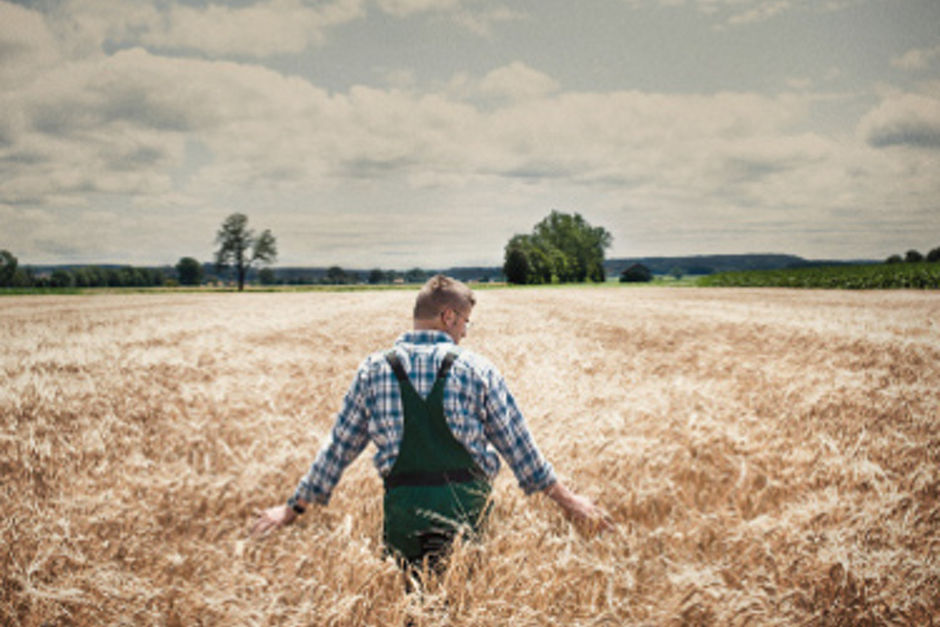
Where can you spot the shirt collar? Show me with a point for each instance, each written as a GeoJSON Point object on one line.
{"type": "Point", "coordinates": [424, 337]}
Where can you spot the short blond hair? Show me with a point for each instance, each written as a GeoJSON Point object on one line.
{"type": "Point", "coordinates": [440, 293]}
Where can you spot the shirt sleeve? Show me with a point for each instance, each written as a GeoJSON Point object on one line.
{"type": "Point", "coordinates": [507, 431]}
{"type": "Point", "coordinates": [347, 440]}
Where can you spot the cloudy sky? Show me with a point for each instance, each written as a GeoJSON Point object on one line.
{"type": "Point", "coordinates": [396, 133]}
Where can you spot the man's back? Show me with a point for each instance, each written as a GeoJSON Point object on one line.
{"type": "Point", "coordinates": [480, 412]}
{"type": "Point", "coordinates": [475, 404]}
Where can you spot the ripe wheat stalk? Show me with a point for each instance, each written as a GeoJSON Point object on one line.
{"type": "Point", "coordinates": [770, 457]}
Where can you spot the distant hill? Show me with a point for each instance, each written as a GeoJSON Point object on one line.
{"type": "Point", "coordinates": [463, 273]}
{"type": "Point", "coordinates": [296, 274]}
{"type": "Point", "coordinates": [710, 264]}
{"type": "Point", "coordinates": [689, 265]}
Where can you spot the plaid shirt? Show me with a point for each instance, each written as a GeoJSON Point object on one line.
{"type": "Point", "coordinates": [480, 412]}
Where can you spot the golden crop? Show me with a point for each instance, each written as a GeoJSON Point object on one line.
{"type": "Point", "coordinates": [770, 457]}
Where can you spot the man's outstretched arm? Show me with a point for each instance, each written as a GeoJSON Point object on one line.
{"type": "Point", "coordinates": [348, 438]}
{"type": "Point", "coordinates": [507, 430]}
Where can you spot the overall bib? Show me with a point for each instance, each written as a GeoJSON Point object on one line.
{"type": "Point", "coordinates": [434, 490]}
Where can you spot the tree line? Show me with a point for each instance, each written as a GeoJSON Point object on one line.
{"type": "Point", "coordinates": [914, 256]}
{"type": "Point", "coordinates": [562, 248]}
{"type": "Point", "coordinates": [241, 250]}
{"type": "Point", "coordinates": [13, 275]}
{"type": "Point", "coordinates": [336, 275]}
{"type": "Point", "coordinates": [239, 254]}
{"type": "Point", "coordinates": [191, 272]}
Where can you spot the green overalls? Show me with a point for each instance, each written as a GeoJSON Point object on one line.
{"type": "Point", "coordinates": [434, 490]}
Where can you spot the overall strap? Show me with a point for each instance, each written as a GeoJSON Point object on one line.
{"type": "Point", "coordinates": [446, 363]}
{"type": "Point", "coordinates": [392, 358]}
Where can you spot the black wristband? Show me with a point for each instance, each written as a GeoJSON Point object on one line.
{"type": "Point", "coordinates": [294, 505]}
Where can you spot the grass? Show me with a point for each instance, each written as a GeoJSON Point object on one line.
{"type": "Point", "coordinates": [33, 291]}
{"type": "Point", "coordinates": [138, 433]}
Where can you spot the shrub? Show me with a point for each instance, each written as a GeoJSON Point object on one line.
{"type": "Point", "coordinates": [189, 271]}
{"type": "Point", "coordinates": [637, 273]}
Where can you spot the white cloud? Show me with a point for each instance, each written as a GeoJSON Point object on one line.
{"type": "Point", "coordinates": [761, 12]}
{"type": "Point", "coordinates": [24, 33]}
{"type": "Point", "coordinates": [917, 59]}
{"type": "Point", "coordinates": [260, 29]}
{"type": "Point", "coordinates": [482, 22]}
{"type": "Point", "coordinates": [400, 78]}
{"type": "Point", "coordinates": [83, 129]}
{"type": "Point", "coordinates": [903, 119]}
{"type": "Point", "coordinates": [800, 83]}
{"type": "Point", "coordinates": [741, 12]}
{"type": "Point", "coordinates": [26, 44]}
{"type": "Point", "coordinates": [467, 14]}
{"type": "Point", "coordinates": [83, 27]}
{"type": "Point", "coordinates": [402, 8]}
{"type": "Point", "coordinates": [516, 82]}
{"type": "Point", "coordinates": [119, 125]}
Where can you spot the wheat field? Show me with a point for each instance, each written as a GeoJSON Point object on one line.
{"type": "Point", "coordinates": [770, 457]}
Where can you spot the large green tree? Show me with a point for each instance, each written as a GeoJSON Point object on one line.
{"type": "Point", "coordinates": [561, 248]}
{"type": "Point", "coordinates": [240, 248]}
{"type": "Point", "coordinates": [8, 265]}
{"type": "Point", "coordinates": [575, 248]}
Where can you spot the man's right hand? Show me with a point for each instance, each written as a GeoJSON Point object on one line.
{"type": "Point", "coordinates": [580, 510]}
{"type": "Point", "coordinates": [272, 518]}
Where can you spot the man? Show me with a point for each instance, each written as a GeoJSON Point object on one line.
{"type": "Point", "coordinates": [435, 414]}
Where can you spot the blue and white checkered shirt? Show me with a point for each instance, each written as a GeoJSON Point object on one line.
{"type": "Point", "coordinates": [479, 409]}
